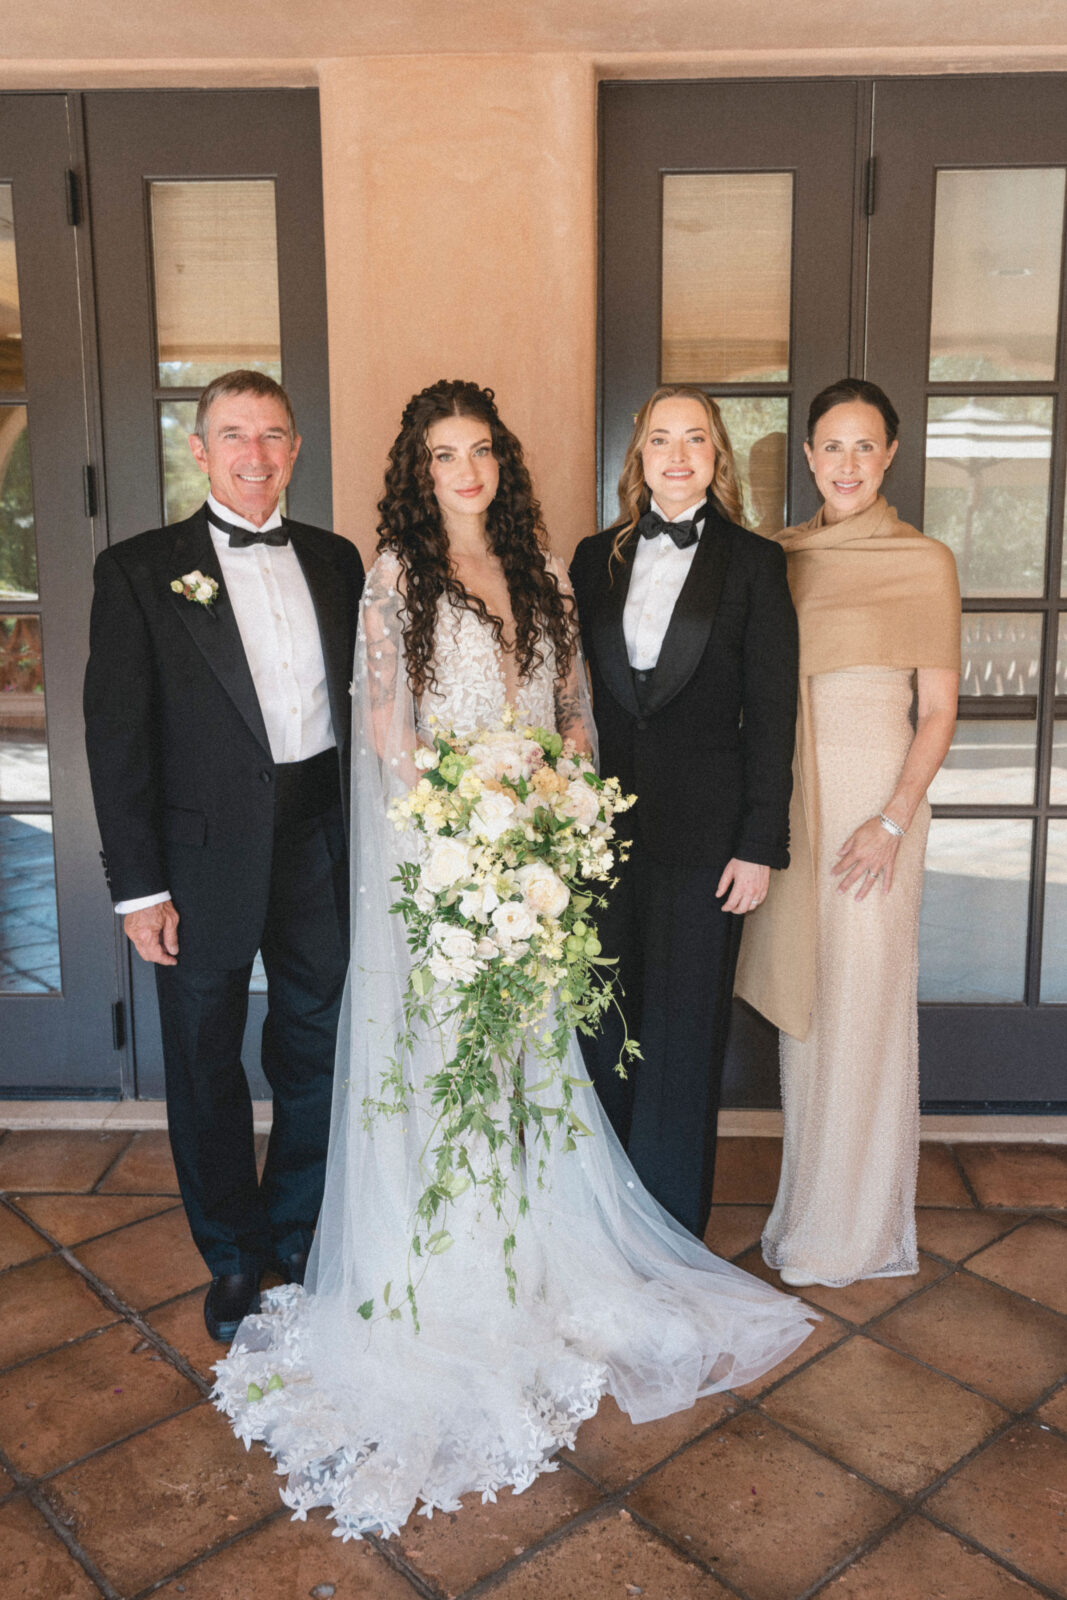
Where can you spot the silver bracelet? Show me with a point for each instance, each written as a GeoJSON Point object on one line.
{"type": "Point", "coordinates": [890, 826]}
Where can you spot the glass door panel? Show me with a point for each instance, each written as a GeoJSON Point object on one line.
{"type": "Point", "coordinates": [55, 1010]}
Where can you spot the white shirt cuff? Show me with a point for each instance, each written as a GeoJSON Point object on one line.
{"type": "Point", "coordinates": [123, 906]}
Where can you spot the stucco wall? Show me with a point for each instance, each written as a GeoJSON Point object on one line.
{"type": "Point", "coordinates": [461, 242]}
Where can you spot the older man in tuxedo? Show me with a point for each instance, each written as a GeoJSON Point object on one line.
{"type": "Point", "coordinates": [217, 727]}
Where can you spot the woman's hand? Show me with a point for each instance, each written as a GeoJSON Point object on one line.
{"type": "Point", "coordinates": [749, 882]}
{"type": "Point", "coordinates": [867, 855]}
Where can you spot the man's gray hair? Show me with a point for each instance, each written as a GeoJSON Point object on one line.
{"type": "Point", "coordinates": [243, 381]}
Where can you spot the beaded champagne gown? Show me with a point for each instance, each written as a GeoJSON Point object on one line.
{"type": "Point", "coordinates": [845, 1207]}
{"type": "Point", "coordinates": [371, 1417]}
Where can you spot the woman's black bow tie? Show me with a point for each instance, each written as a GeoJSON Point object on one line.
{"type": "Point", "coordinates": [684, 533]}
{"type": "Point", "coordinates": [240, 538]}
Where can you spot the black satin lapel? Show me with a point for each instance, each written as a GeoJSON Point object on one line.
{"type": "Point", "coordinates": [329, 596]}
{"type": "Point", "coordinates": [609, 640]}
{"type": "Point", "coordinates": [214, 628]}
{"type": "Point", "coordinates": [694, 612]}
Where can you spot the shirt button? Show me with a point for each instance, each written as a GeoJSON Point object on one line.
{"type": "Point", "coordinates": [264, 776]}
{"type": "Point", "coordinates": [293, 711]}
{"type": "Point", "coordinates": [285, 666]}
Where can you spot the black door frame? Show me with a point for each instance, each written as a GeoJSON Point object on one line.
{"type": "Point", "coordinates": [1011, 1054]}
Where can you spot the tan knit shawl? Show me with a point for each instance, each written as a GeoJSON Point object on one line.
{"type": "Point", "coordinates": [870, 591]}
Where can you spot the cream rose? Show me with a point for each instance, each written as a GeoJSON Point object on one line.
{"type": "Point", "coordinates": [448, 862]}
{"type": "Point", "coordinates": [513, 920]}
{"type": "Point", "coordinates": [544, 893]}
{"type": "Point", "coordinates": [479, 903]}
{"type": "Point", "coordinates": [493, 815]}
{"type": "Point", "coordinates": [580, 802]}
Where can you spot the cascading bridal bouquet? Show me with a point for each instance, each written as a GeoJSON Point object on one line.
{"type": "Point", "coordinates": [511, 829]}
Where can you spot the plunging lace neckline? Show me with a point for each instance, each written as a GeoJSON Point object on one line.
{"type": "Point", "coordinates": [471, 669]}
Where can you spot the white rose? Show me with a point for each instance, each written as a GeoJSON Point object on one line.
{"type": "Point", "coordinates": [486, 950]}
{"type": "Point", "coordinates": [580, 802]}
{"type": "Point", "coordinates": [423, 899]}
{"type": "Point", "coordinates": [193, 578]}
{"type": "Point", "coordinates": [514, 920]}
{"type": "Point", "coordinates": [449, 860]}
{"type": "Point", "coordinates": [455, 944]}
{"type": "Point", "coordinates": [493, 815]}
{"type": "Point", "coordinates": [543, 892]}
{"type": "Point", "coordinates": [204, 591]}
{"type": "Point", "coordinates": [479, 902]}
{"type": "Point", "coordinates": [424, 758]}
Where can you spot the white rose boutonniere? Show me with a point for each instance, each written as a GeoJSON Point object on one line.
{"type": "Point", "coordinates": [195, 586]}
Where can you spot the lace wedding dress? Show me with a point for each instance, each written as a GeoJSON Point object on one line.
{"type": "Point", "coordinates": [372, 1418]}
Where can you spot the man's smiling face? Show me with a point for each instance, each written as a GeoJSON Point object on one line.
{"type": "Point", "coordinates": [249, 455]}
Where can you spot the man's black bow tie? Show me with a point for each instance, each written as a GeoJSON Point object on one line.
{"type": "Point", "coordinates": [241, 538]}
{"type": "Point", "coordinates": [683, 533]}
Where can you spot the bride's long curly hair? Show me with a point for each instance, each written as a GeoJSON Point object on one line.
{"type": "Point", "coordinates": [412, 527]}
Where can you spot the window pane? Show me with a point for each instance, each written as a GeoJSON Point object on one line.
{"type": "Point", "coordinates": [759, 432]}
{"type": "Point", "coordinates": [1054, 943]}
{"type": "Point", "coordinates": [1058, 787]}
{"type": "Point", "coordinates": [997, 243]}
{"type": "Point", "coordinates": [1001, 653]}
{"type": "Point", "coordinates": [216, 272]}
{"type": "Point", "coordinates": [727, 259]}
{"type": "Point", "coordinates": [987, 489]}
{"type": "Point", "coordinates": [18, 544]}
{"type": "Point", "coordinates": [29, 943]}
{"type": "Point", "coordinates": [184, 485]}
{"type": "Point", "coordinates": [23, 749]}
{"type": "Point", "coordinates": [990, 763]}
{"type": "Point", "coordinates": [11, 373]}
{"type": "Point", "coordinates": [972, 938]}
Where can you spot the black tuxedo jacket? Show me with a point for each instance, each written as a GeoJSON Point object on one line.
{"type": "Point", "coordinates": [182, 774]}
{"type": "Point", "coordinates": [709, 752]}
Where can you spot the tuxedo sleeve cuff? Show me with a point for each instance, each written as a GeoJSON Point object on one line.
{"type": "Point", "coordinates": [762, 853]}
{"type": "Point", "coordinates": [140, 904]}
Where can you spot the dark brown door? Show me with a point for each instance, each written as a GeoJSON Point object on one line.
{"type": "Point", "coordinates": [750, 244]}
{"type": "Point", "coordinates": [59, 956]}
{"type": "Point", "coordinates": [208, 252]}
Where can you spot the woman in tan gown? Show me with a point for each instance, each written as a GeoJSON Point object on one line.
{"type": "Point", "coordinates": [832, 956]}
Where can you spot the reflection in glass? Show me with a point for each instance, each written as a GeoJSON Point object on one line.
{"type": "Point", "coordinates": [758, 427]}
{"type": "Point", "coordinates": [972, 937]}
{"type": "Point", "coordinates": [18, 545]}
{"type": "Point", "coordinates": [987, 489]}
{"type": "Point", "coordinates": [1058, 786]}
{"type": "Point", "coordinates": [727, 260]}
{"type": "Point", "coordinates": [997, 244]}
{"type": "Point", "coordinates": [184, 485]}
{"type": "Point", "coordinates": [23, 748]}
{"type": "Point", "coordinates": [1054, 942]}
{"type": "Point", "coordinates": [29, 940]}
{"type": "Point", "coordinates": [11, 373]}
{"type": "Point", "coordinates": [990, 763]}
{"type": "Point", "coordinates": [1001, 653]}
{"type": "Point", "coordinates": [215, 257]}
{"type": "Point", "coordinates": [257, 983]}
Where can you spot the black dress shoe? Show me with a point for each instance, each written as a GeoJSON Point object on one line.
{"type": "Point", "coordinates": [232, 1297]}
{"type": "Point", "coordinates": [291, 1268]}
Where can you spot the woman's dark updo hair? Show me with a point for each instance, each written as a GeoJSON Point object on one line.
{"type": "Point", "coordinates": [843, 393]}
{"type": "Point", "coordinates": [411, 526]}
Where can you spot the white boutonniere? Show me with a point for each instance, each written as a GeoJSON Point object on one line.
{"type": "Point", "coordinates": [195, 586]}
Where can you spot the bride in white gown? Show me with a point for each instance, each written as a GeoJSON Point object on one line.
{"type": "Point", "coordinates": [370, 1416]}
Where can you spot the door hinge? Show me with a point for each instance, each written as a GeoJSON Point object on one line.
{"type": "Point", "coordinates": [89, 490]}
{"type": "Point", "coordinates": [74, 198]}
{"type": "Point", "coordinates": [872, 183]}
{"type": "Point", "coordinates": [118, 1025]}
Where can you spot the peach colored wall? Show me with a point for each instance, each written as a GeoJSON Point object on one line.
{"type": "Point", "coordinates": [461, 242]}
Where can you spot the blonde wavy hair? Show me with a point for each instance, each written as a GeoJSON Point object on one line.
{"type": "Point", "coordinates": [635, 497]}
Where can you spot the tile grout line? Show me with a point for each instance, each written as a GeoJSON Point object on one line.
{"type": "Point", "coordinates": [109, 1169]}
{"type": "Point", "coordinates": [11, 1201]}
{"type": "Point", "coordinates": [40, 1502]}
{"type": "Point", "coordinates": [964, 1177]}
{"type": "Point", "coordinates": [984, 1550]}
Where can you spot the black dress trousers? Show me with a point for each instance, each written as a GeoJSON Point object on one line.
{"type": "Point", "coordinates": [238, 1222]}
{"type": "Point", "coordinates": [677, 953]}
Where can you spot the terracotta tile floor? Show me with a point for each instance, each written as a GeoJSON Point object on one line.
{"type": "Point", "coordinates": [914, 1449]}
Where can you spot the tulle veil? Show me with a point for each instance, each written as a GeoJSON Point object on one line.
{"type": "Point", "coordinates": [368, 1416]}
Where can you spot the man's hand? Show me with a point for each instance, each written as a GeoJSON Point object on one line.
{"type": "Point", "coordinates": [153, 931]}
{"type": "Point", "coordinates": [748, 883]}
